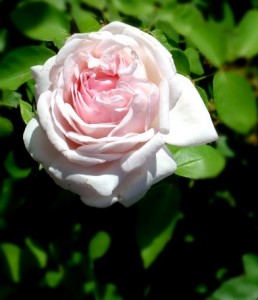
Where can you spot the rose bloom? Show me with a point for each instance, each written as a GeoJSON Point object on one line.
{"type": "Point", "coordinates": [107, 105]}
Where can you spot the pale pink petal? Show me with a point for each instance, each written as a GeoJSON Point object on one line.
{"type": "Point", "coordinates": [160, 54]}
{"type": "Point", "coordinates": [190, 121]}
{"type": "Point", "coordinates": [156, 168]}
{"type": "Point", "coordinates": [41, 76]}
{"type": "Point", "coordinates": [37, 143]}
{"type": "Point", "coordinates": [138, 157]}
{"type": "Point", "coordinates": [93, 184]}
{"type": "Point", "coordinates": [44, 107]}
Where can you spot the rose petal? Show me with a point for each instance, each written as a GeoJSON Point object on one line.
{"type": "Point", "coordinates": [37, 144]}
{"type": "Point", "coordinates": [41, 76]}
{"type": "Point", "coordinates": [156, 168]}
{"type": "Point", "coordinates": [46, 120]}
{"type": "Point", "coordinates": [190, 121]}
{"type": "Point", "coordinates": [94, 185]}
{"type": "Point", "coordinates": [138, 157]}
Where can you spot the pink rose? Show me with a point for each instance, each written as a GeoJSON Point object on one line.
{"type": "Point", "coordinates": [107, 104]}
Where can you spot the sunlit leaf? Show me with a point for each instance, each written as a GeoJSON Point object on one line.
{"type": "Point", "coordinates": [12, 254]}
{"type": "Point", "coordinates": [41, 21]}
{"type": "Point", "coordinates": [245, 43]}
{"type": "Point", "coordinates": [194, 60]}
{"type": "Point", "coordinates": [10, 98]}
{"type": "Point", "coordinates": [26, 111]}
{"type": "Point", "coordinates": [182, 18]}
{"type": "Point", "coordinates": [100, 4]}
{"type": "Point", "coordinates": [15, 66]}
{"type": "Point", "coordinates": [228, 16]}
{"type": "Point", "coordinates": [60, 4]}
{"type": "Point", "coordinates": [38, 252]}
{"type": "Point", "coordinates": [234, 101]}
{"type": "Point", "coordinates": [85, 20]}
{"type": "Point", "coordinates": [198, 162]}
{"type": "Point", "coordinates": [134, 7]}
{"type": "Point", "coordinates": [6, 127]}
{"type": "Point", "coordinates": [99, 245]}
{"type": "Point", "coordinates": [211, 41]}
{"type": "Point", "coordinates": [206, 36]}
{"type": "Point", "coordinates": [12, 168]}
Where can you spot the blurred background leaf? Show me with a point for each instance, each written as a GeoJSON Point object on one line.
{"type": "Point", "coordinates": [235, 101]}
{"type": "Point", "coordinates": [15, 65]}
{"type": "Point", "coordinates": [41, 21]}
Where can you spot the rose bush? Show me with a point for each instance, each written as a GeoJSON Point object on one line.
{"type": "Point", "coordinates": [107, 104]}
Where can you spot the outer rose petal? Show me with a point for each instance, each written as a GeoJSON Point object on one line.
{"type": "Point", "coordinates": [138, 183]}
{"type": "Point", "coordinates": [99, 186]}
{"type": "Point", "coordinates": [92, 184]}
{"type": "Point", "coordinates": [41, 76]}
{"type": "Point", "coordinates": [190, 121]}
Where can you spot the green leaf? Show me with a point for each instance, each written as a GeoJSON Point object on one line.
{"type": "Point", "coordinates": [85, 20]}
{"type": "Point", "coordinates": [10, 99]}
{"type": "Point", "coordinates": [203, 95]}
{"type": "Point", "coordinates": [160, 36]}
{"type": "Point", "coordinates": [134, 8]}
{"type": "Point", "coordinates": [111, 292]}
{"type": "Point", "coordinates": [54, 278]}
{"type": "Point", "coordinates": [234, 101]}
{"type": "Point", "coordinates": [157, 217]}
{"type": "Point", "coordinates": [6, 127]}
{"type": "Point", "coordinates": [245, 43]}
{"type": "Point", "coordinates": [181, 61]}
{"type": "Point", "coordinates": [30, 90]}
{"type": "Point", "coordinates": [223, 147]}
{"type": "Point", "coordinates": [13, 169]}
{"type": "Point", "coordinates": [3, 37]}
{"type": "Point", "coordinates": [250, 262]}
{"type": "Point", "coordinates": [228, 19]}
{"type": "Point", "coordinates": [206, 36]}
{"type": "Point", "coordinates": [15, 66]}
{"type": "Point", "coordinates": [194, 60]}
{"type": "Point", "coordinates": [5, 194]}
{"type": "Point", "coordinates": [244, 287]}
{"type": "Point", "coordinates": [168, 31]}
{"type": "Point", "coordinates": [60, 4]}
{"type": "Point", "coordinates": [41, 21]}
{"type": "Point", "coordinates": [238, 288]}
{"type": "Point", "coordinates": [182, 18]}
{"type": "Point", "coordinates": [12, 255]}
{"type": "Point", "coordinates": [198, 162]}
{"type": "Point", "coordinates": [26, 111]}
{"type": "Point", "coordinates": [100, 4]}
{"type": "Point", "coordinates": [99, 245]}
{"type": "Point", "coordinates": [211, 41]}
{"type": "Point", "coordinates": [37, 252]}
